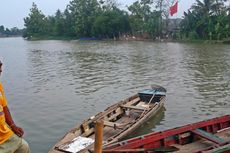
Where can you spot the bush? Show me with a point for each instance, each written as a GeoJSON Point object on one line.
{"type": "Point", "coordinates": [193, 35]}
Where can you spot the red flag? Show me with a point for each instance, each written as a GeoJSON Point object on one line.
{"type": "Point", "coordinates": [173, 9]}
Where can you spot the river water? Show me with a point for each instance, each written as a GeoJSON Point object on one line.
{"type": "Point", "coordinates": [53, 85]}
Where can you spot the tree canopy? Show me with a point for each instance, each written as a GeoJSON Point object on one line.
{"type": "Point", "coordinates": [6, 32]}
{"type": "Point", "coordinates": [206, 19]}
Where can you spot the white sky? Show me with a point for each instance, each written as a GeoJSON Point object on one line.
{"type": "Point", "coordinates": [12, 12]}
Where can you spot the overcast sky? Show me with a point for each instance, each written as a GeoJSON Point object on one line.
{"type": "Point", "coordinates": [12, 12]}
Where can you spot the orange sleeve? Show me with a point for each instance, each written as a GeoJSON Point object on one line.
{"type": "Point", "coordinates": [4, 101]}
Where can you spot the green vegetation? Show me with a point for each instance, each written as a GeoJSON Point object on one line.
{"type": "Point", "coordinates": [206, 20]}
{"type": "Point", "coordinates": [5, 32]}
{"type": "Point", "coordinates": [82, 18]}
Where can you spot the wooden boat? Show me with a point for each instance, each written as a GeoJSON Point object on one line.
{"type": "Point", "coordinates": [119, 120]}
{"type": "Point", "coordinates": [210, 136]}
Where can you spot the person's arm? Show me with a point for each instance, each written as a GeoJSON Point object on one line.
{"type": "Point", "coordinates": [9, 120]}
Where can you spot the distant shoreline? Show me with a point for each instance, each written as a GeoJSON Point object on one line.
{"type": "Point", "coordinates": [224, 41]}
{"type": "Point", "coordinates": [10, 36]}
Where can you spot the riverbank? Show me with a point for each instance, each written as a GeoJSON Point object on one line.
{"type": "Point", "coordinates": [205, 41]}
{"type": "Point", "coordinates": [9, 36]}
{"type": "Point", "coordinates": [49, 38]}
{"type": "Point", "coordinates": [224, 41]}
{"type": "Point", "coordinates": [132, 38]}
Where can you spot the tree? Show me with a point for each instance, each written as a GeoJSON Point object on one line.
{"type": "Point", "coordinates": [136, 17]}
{"type": "Point", "coordinates": [68, 24]}
{"type": "Point", "coordinates": [111, 23]}
{"type": "Point", "coordinates": [188, 25]}
{"type": "Point", "coordinates": [152, 26]}
{"type": "Point", "coordinates": [2, 29]}
{"type": "Point", "coordinates": [15, 31]}
{"type": "Point", "coordinates": [58, 24]}
{"type": "Point", "coordinates": [208, 19]}
{"type": "Point", "coordinates": [204, 10]}
{"type": "Point", "coordinates": [84, 13]}
{"type": "Point", "coordinates": [107, 5]}
{"type": "Point", "coordinates": [7, 31]}
{"type": "Point", "coordinates": [35, 22]}
{"type": "Point", "coordinates": [140, 15]}
{"type": "Point", "coordinates": [145, 20]}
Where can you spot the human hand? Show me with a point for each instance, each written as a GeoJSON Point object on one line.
{"type": "Point", "coordinates": [17, 130]}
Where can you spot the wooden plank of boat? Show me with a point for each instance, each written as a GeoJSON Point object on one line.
{"type": "Point", "coordinates": [162, 149]}
{"type": "Point", "coordinates": [204, 145]}
{"type": "Point", "coordinates": [133, 107]}
{"type": "Point", "coordinates": [113, 125]}
{"type": "Point", "coordinates": [222, 149]}
{"type": "Point", "coordinates": [119, 120]}
{"type": "Point", "coordinates": [208, 136]}
{"type": "Point", "coordinates": [204, 136]}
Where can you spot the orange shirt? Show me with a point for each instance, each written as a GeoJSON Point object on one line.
{"type": "Point", "coordinates": [5, 131]}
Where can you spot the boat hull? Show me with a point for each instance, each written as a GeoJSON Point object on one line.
{"type": "Point", "coordinates": [119, 120]}
{"type": "Point", "coordinates": [211, 136]}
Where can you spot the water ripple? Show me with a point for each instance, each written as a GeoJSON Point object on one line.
{"type": "Point", "coordinates": [60, 83]}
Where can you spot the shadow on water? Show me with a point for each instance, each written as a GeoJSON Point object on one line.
{"type": "Point", "coordinates": [148, 126]}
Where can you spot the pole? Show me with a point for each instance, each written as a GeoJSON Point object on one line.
{"type": "Point", "coordinates": [98, 137]}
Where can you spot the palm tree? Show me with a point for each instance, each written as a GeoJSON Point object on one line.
{"type": "Point", "coordinates": [203, 10]}
{"type": "Point", "coordinates": [188, 24]}
{"type": "Point", "coordinates": [209, 13]}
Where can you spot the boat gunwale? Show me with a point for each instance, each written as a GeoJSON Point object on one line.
{"type": "Point", "coordinates": [157, 136]}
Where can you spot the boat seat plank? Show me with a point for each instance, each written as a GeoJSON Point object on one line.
{"type": "Point", "coordinates": [209, 136]}
{"type": "Point", "coordinates": [134, 107]}
{"type": "Point", "coordinates": [112, 124]}
{"type": "Point", "coordinates": [134, 101]}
